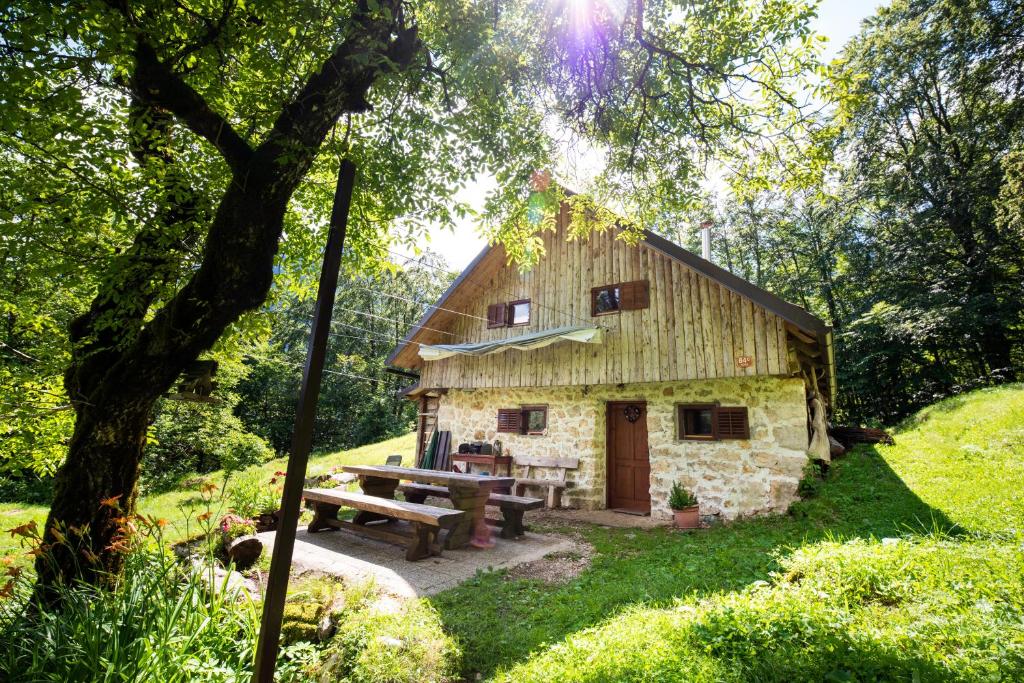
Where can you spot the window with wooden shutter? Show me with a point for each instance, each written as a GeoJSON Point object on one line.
{"type": "Point", "coordinates": [711, 422]}
{"type": "Point", "coordinates": [519, 312]}
{"type": "Point", "coordinates": [696, 421]}
{"type": "Point", "coordinates": [509, 420]}
{"type": "Point", "coordinates": [534, 419]}
{"type": "Point", "coordinates": [733, 423]}
{"type": "Point", "coordinates": [635, 295]}
{"type": "Point", "coordinates": [496, 315]}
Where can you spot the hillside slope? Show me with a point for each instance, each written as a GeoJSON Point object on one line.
{"type": "Point", "coordinates": [919, 576]}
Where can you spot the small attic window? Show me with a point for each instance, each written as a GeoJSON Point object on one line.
{"type": "Point", "coordinates": [519, 312]}
{"type": "Point", "coordinates": [605, 299]}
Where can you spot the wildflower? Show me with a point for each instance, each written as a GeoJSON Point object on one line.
{"type": "Point", "coordinates": [28, 530]}
{"type": "Point", "coordinates": [208, 487]}
{"type": "Point", "coordinates": [8, 590]}
{"type": "Point", "coordinates": [111, 502]}
{"type": "Point", "coordinates": [119, 545]}
{"type": "Point", "coordinates": [14, 571]}
{"type": "Point", "coordinates": [55, 532]}
{"type": "Point", "coordinates": [161, 523]}
{"type": "Point", "coordinates": [91, 556]}
{"type": "Point", "coordinates": [205, 516]}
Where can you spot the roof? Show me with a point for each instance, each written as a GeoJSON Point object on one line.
{"type": "Point", "coordinates": [791, 313]}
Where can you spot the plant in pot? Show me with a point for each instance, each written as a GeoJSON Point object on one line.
{"type": "Point", "coordinates": [684, 507]}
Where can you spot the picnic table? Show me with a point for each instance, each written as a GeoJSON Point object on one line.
{"type": "Point", "coordinates": [467, 492]}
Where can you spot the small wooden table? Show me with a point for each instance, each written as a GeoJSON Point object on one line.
{"type": "Point", "coordinates": [468, 492]}
{"type": "Point", "coordinates": [494, 461]}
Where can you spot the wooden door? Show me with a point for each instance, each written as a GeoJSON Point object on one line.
{"type": "Point", "coordinates": [629, 464]}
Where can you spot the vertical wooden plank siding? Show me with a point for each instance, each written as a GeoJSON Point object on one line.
{"type": "Point", "coordinates": [693, 328]}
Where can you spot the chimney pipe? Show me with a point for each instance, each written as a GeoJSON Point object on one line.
{"type": "Point", "coordinates": [705, 239]}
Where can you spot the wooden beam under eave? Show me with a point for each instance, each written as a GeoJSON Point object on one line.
{"type": "Point", "coordinates": [800, 334]}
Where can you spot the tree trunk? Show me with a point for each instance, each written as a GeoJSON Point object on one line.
{"type": "Point", "coordinates": [126, 356]}
{"type": "Point", "coordinates": [91, 490]}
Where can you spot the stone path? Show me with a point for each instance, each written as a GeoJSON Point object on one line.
{"type": "Point", "coordinates": [355, 558]}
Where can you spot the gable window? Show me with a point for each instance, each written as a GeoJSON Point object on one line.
{"type": "Point", "coordinates": [509, 314]}
{"type": "Point", "coordinates": [604, 300]}
{"type": "Point", "coordinates": [625, 296]}
{"type": "Point", "coordinates": [523, 420]}
{"type": "Point", "coordinates": [711, 422]}
{"type": "Point", "coordinates": [519, 312]}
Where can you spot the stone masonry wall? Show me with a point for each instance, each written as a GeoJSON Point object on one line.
{"type": "Point", "coordinates": [731, 478]}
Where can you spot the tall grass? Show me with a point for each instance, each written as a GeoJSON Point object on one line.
{"type": "Point", "coordinates": [159, 621]}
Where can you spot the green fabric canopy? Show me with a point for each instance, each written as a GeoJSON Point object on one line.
{"type": "Point", "coordinates": [525, 342]}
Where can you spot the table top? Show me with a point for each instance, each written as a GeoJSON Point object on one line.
{"type": "Point", "coordinates": [430, 476]}
{"type": "Point", "coordinates": [481, 458]}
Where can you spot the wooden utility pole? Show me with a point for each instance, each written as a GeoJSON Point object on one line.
{"type": "Point", "coordinates": [302, 437]}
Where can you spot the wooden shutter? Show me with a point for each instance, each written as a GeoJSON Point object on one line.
{"type": "Point", "coordinates": [496, 315]}
{"type": "Point", "coordinates": [634, 296]}
{"type": "Point", "coordinates": [509, 420]}
{"type": "Point", "coordinates": [733, 423]}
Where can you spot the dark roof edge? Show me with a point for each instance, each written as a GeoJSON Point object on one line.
{"type": "Point", "coordinates": [464, 275]}
{"type": "Point", "coordinates": [766, 299]}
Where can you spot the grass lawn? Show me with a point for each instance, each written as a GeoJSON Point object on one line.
{"type": "Point", "coordinates": [180, 508]}
{"type": "Point", "coordinates": [908, 565]}
{"type": "Point", "coordinates": [825, 593]}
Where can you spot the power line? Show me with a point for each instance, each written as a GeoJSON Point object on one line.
{"type": "Point", "coordinates": [372, 333]}
{"type": "Point", "coordinates": [422, 303]}
{"type": "Point", "coordinates": [331, 372]}
{"type": "Point", "coordinates": [480, 289]}
{"type": "Point", "coordinates": [394, 320]}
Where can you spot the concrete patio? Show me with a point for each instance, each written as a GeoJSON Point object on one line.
{"type": "Point", "coordinates": [355, 558]}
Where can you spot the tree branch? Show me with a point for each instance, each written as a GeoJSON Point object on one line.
{"type": "Point", "coordinates": [156, 83]}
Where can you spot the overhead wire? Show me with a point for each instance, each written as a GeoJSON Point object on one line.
{"type": "Point", "coordinates": [480, 289]}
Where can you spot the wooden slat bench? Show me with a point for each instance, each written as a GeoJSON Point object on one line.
{"type": "Point", "coordinates": [426, 520]}
{"type": "Point", "coordinates": [554, 485]}
{"type": "Point", "coordinates": [512, 507]}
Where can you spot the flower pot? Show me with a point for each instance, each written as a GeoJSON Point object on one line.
{"type": "Point", "coordinates": [687, 518]}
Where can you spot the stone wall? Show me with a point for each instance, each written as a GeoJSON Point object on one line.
{"type": "Point", "coordinates": [731, 478]}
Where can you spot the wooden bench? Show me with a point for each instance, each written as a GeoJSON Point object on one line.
{"type": "Point", "coordinates": [426, 520]}
{"type": "Point", "coordinates": [512, 507]}
{"type": "Point", "coordinates": [554, 485]}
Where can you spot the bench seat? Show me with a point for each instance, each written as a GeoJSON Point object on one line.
{"type": "Point", "coordinates": [512, 507]}
{"type": "Point", "coordinates": [554, 485]}
{"type": "Point", "coordinates": [426, 520]}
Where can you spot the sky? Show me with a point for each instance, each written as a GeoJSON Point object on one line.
{"type": "Point", "coordinates": [838, 20]}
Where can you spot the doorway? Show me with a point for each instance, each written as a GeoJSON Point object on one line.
{"type": "Point", "coordinates": [629, 462]}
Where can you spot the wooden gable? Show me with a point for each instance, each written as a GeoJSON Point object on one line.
{"type": "Point", "coordinates": [675, 324]}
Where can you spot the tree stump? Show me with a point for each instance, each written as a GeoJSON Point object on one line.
{"type": "Point", "coordinates": [245, 550]}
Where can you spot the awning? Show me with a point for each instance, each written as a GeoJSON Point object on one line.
{"type": "Point", "coordinates": [525, 342]}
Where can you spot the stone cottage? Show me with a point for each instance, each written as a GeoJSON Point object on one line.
{"type": "Point", "coordinates": [648, 363]}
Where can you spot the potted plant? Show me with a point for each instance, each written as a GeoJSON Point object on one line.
{"type": "Point", "coordinates": [684, 507]}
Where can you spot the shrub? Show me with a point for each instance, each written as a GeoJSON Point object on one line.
{"type": "Point", "coordinates": [240, 450]}
{"type": "Point", "coordinates": [253, 494]}
{"type": "Point", "coordinates": [25, 486]}
{"type": "Point", "coordinates": [409, 646]}
{"type": "Point", "coordinates": [811, 481]}
{"type": "Point", "coordinates": [197, 437]}
{"type": "Point", "coordinates": [679, 498]}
